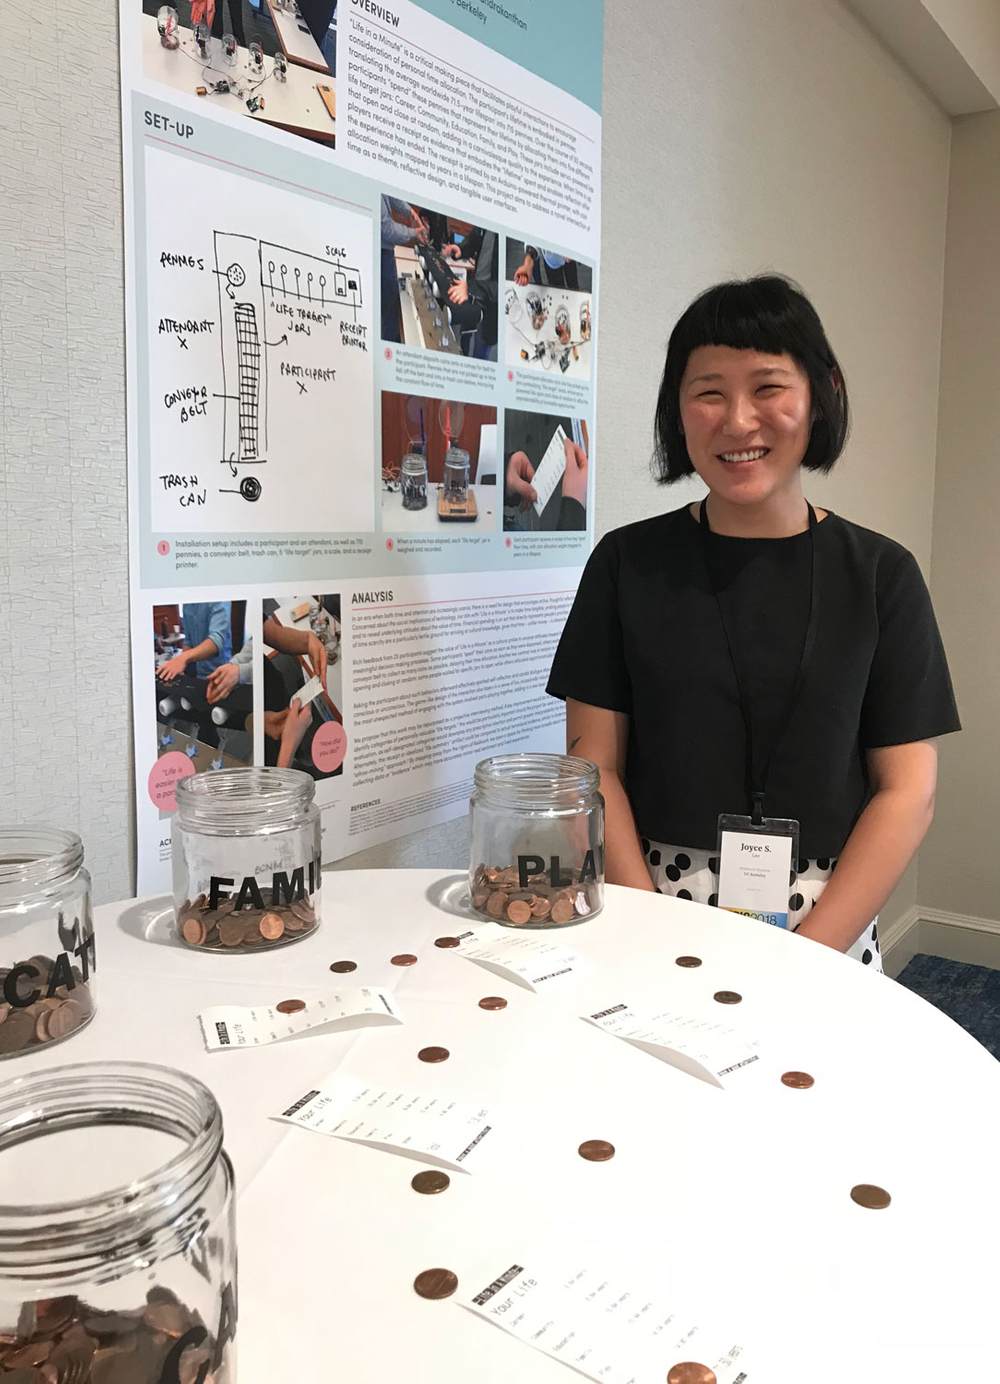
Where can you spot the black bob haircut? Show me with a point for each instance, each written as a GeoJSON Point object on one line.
{"type": "Point", "coordinates": [770, 314]}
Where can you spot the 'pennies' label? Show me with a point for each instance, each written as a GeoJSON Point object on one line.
{"type": "Point", "coordinates": [232, 1026]}
{"type": "Point", "coordinates": [702, 1047]}
{"type": "Point", "coordinates": [433, 1127]}
{"type": "Point", "coordinates": [527, 960]}
{"type": "Point", "coordinates": [609, 1328]}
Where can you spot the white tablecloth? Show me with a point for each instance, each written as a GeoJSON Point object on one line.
{"type": "Point", "coordinates": [740, 1195]}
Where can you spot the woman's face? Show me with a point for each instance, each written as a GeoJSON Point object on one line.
{"type": "Point", "coordinates": [746, 417]}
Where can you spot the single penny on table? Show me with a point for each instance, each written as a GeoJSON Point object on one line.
{"type": "Point", "coordinates": [431, 1180]}
{"type": "Point", "coordinates": [342, 967]}
{"type": "Point", "coordinates": [435, 1284]}
{"type": "Point", "coordinates": [728, 997]}
{"type": "Point", "coordinates": [688, 961]}
{"type": "Point", "coordinates": [433, 1054]}
{"type": "Point", "coordinates": [447, 942]}
{"type": "Point", "coordinates": [799, 1081]}
{"type": "Point", "coordinates": [493, 1002]}
{"type": "Point", "coordinates": [290, 1006]}
{"type": "Point", "coordinates": [688, 1372]}
{"type": "Point", "coordinates": [596, 1150]}
{"type": "Point", "coordinates": [871, 1197]}
{"type": "Point", "coordinates": [403, 959]}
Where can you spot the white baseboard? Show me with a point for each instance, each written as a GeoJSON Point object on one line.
{"type": "Point", "coordinates": [935, 932]}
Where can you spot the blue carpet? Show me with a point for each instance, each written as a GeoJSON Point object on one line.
{"type": "Point", "coordinates": [968, 994]}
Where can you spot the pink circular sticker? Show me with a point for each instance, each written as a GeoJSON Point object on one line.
{"type": "Point", "coordinates": [388, 353]}
{"type": "Point", "coordinates": [389, 545]}
{"type": "Point", "coordinates": [164, 777]}
{"type": "Point", "coordinates": [510, 374]}
{"type": "Point", "coordinates": [329, 747]}
{"type": "Point", "coordinates": [163, 547]}
{"type": "Point", "coordinates": [508, 542]}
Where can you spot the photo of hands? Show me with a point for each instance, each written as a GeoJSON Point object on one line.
{"type": "Point", "coordinates": [546, 472]}
{"type": "Point", "coordinates": [302, 674]}
{"type": "Point", "coordinates": [439, 281]}
{"type": "Point", "coordinates": [203, 666]}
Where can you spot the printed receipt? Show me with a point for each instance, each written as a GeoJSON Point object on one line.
{"type": "Point", "coordinates": [550, 469]}
{"type": "Point", "coordinates": [230, 1026]}
{"type": "Point", "coordinates": [604, 1327]}
{"type": "Point", "coordinates": [434, 1127]}
{"type": "Point", "coordinates": [518, 956]}
{"type": "Point", "coordinates": [706, 1049]}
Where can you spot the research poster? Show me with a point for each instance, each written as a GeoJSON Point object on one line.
{"type": "Point", "coordinates": [362, 324]}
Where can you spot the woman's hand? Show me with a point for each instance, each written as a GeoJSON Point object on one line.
{"type": "Point", "coordinates": [316, 653]}
{"type": "Point", "coordinates": [296, 724]}
{"type": "Point", "coordinates": [594, 733]}
{"type": "Point", "coordinates": [520, 473]}
{"type": "Point", "coordinates": [221, 682]}
{"type": "Point", "coordinates": [574, 481]}
{"type": "Point", "coordinates": [459, 292]}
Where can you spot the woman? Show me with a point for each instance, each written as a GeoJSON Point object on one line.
{"type": "Point", "coordinates": [749, 655]}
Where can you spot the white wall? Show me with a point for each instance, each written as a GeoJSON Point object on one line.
{"type": "Point", "coordinates": [740, 135]}
{"type": "Point", "coordinates": [960, 865]}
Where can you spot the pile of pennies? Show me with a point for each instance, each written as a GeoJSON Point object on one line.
{"type": "Point", "coordinates": [64, 1340]}
{"type": "Point", "coordinates": [497, 893]}
{"type": "Point", "coordinates": [49, 1017]}
{"type": "Point", "coordinates": [228, 928]}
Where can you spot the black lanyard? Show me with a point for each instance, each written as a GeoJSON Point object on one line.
{"type": "Point", "coordinates": [756, 782]}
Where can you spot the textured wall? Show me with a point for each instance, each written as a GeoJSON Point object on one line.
{"type": "Point", "coordinates": [739, 135]}
{"type": "Point", "coordinates": [960, 865]}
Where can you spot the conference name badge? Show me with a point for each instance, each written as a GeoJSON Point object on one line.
{"type": "Point", "coordinates": [757, 866]}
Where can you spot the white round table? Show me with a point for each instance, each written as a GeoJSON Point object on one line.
{"type": "Point", "coordinates": [737, 1198]}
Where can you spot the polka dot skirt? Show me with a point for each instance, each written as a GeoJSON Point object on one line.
{"type": "Point", "coordinates": [685, 873]}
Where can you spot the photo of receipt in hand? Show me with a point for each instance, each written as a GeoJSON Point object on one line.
{"type": "Point", "coordinates": [546, 472]}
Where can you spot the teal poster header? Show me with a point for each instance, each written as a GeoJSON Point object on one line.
{"type": "Point", "coordinates": [560, 40]}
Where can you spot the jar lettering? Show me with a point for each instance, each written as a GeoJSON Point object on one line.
{"type": "Point", "coordinates": [528, 865]}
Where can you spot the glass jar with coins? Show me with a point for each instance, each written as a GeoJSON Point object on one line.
{"type": "Point", "coordinates": [246, 859]}
{"type": "Point", "coordinates": [456, 473]}
{"type": "Point", "coordinates": [47, 955]}
{"type": "Point", "coordinates": [537, 840]}
{"type": "Point", "coordinates": [118, 1254]}
{"type": "Point", "coordinates": [413, 480]}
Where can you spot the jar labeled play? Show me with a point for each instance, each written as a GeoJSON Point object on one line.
{"type": "Point", "coordinates": [246, 858]}
{"type": "Point", "coordinates": [117, 1243]}
{"type": "Point", "coordinates": [47, 954]}
{"type": "Point", "coordinates": [537, 840]}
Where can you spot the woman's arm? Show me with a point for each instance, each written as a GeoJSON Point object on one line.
{"type": "Point", "coordinates": [882, 844]}
{"type": "Point", "coordinates": [602, 737]}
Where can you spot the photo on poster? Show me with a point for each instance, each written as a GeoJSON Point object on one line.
{"type": "Point", "coordinates": [272, 61]}
{"type": "Point", "coordinates": [546, 460]}
{"type": "Point", "coordinates": [548, 310]}
{"type": "Point", "coordinates": [439, 465]}
{"type": "Point", "coordinates": [302, 673]}
{"type": "Point", "coordinates": [260, 377]}
{"type": "Point", "coordinates": [439, 281]}
{"type": "Point", "coordinates": [203, 674]}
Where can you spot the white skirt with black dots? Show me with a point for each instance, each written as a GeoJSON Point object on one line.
{"type": "Point", "coordinates": [685, 873]}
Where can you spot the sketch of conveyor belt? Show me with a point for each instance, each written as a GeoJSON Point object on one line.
{"type": "Point", "coordinates": [258, 280]}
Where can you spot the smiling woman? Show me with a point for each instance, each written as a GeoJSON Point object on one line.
{"type": "Point", "coordinates": [754, 678]}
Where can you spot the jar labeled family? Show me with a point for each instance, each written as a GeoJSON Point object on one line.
{"type": "Point", "coordinates": [47, 951]}
{"type": "Point", "coordinates": [246, 859]}
{"type": "Point", "coordinates": [537, 840]}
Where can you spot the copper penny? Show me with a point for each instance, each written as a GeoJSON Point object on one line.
{"type": "Point", "coordinates": [231, 931]}
{"type": "Point", "coordinates": [290, 1006]}
{"type": "Point", "coordinates": [596, 1150]}
{"type": "Point", "coordinates": [433, 1054]}
{"type": "Point", "coordinates": [342, 967]}
{"type": "Point", "coordinates": [868, 1195]}
{"type": "Point", "coordinates": [727, 997]}
{"type": "Point", "coordinates": [519, 911]}
{"type": "Point", "coordinates": [493, 1002]}
{"type": "Point", "coordinates": [403, 959]}
{"type": "Point", "coordinates": [447, 942]}
{"type": "Point", "coordinates": [562, 911]}
{"type": "Point", "coordinates": [42, 1026]}
{"type": "Point", "coordinates": [495, 905]}
{"type": "Point", "coordinates": [64, 1020]}
{"type": "Point", "coordinates": [800, 1081]}
{"type": "Point", "coordinates": [541, 908]}
{"type": "Point", "coordinates": [430, 1181]}
{"type": "Point", "coordinates": [304, 911]}
{"type": "Point", "coordinates": [690, 1373]}
{"type": "Point", "coordinates": [435, 1284]}
{"type": "Point", "coordinates": [688, 961]}
{"type": "Point", "coordinates": [193, 931]}
{"type": "Point", "coordinates": [272, 926]}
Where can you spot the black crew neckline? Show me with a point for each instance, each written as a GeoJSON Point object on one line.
{"type": "Point", "coordinates": [742, 538]}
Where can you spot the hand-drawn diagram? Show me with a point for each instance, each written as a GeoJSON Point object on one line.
{"type": "Point", "coordinates": [254, 275]}
{"type": "Point", "coordinates": [259, 320]}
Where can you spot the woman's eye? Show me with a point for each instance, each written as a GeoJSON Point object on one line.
{"type": "Point", "coordinates": [768, 388]}
{"type": "Point", "coordinates": [710, 394]}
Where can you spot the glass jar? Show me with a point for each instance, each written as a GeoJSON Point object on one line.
{"type": "Point", "coordinates": [413, 480]}
{"type": "Point", "coordinates": [456, 474]}
{"type": "Point", "coordinates": [117, 1239]}
{"type": "Point", "coordinates": [246, 857]}
{"type": "Point", "coordinates": [47, 956]}
{"type": "Point", "coordinates": [537, 840]}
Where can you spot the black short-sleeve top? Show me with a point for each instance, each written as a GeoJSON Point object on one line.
{"type": "Point", "coordinates": [645, 637]}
